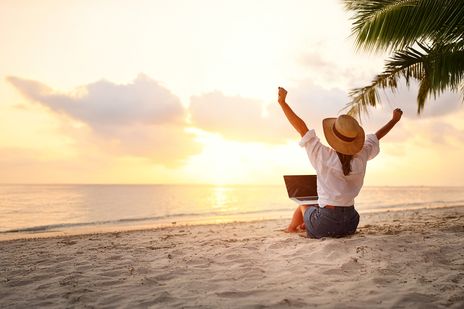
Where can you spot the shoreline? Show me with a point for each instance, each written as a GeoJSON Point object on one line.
{"type": "Point", "coordinates": [408, 259]}
{"type": "Point", "coordinates": [95, 229]}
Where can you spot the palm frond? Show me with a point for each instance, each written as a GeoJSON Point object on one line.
{"type": "Point", "coordinates": [422, 94]}
{"type": "Point", "coordinates": [437, 68]}
{"type": "Point", "coordinates": [445, 65]}
{"type": "Point", "coordinates": [407, 63]}
{"type": "Point", "coordinates": [396, 24]}
{"type": "Point", "coordinates": [443, 70]}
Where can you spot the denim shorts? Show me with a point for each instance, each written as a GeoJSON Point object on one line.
{"type": "Point", "coordinates": [330, 222]}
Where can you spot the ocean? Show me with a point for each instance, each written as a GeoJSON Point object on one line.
{"type": "Point", "coordinates": [35, 209]}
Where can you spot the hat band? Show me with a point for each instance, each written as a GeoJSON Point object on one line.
{"type": "Point", "coordinates": [341, 136]}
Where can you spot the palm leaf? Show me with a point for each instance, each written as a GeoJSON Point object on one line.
{"type": "Point", "coordinates": [438, 68]}
{"type": "Point", "coordinates": [396, 24]}
{"type": "Point", "coordinates": [443, 70]}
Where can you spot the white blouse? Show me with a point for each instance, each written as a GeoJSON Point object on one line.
{"type": "Point", "coordinates": [333, 187]}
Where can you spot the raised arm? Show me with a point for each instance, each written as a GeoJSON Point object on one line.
{"type": "Point", "coordinates": [397, 113]}
{"type": "Point", "coordinates": [295, 121]}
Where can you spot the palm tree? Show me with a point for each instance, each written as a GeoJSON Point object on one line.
{"type": "Point", "coordinates": [427, 41]}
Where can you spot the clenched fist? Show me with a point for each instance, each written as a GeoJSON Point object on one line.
{"type": "Point", "coordinates": [282, 95]}
{"type": "Point", "coordinates": [397, 113]}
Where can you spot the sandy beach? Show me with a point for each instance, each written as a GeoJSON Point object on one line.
{"type": "Point", "coordinates": [403, 259]}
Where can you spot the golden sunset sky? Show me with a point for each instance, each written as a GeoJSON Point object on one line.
{"type": "Point", "coordinates": [185, 92]}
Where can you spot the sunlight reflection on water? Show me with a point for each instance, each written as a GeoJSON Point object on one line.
{"type": "Point", "coordinates": [51, 207]}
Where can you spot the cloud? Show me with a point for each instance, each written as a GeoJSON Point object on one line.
{"type": "Point", "coordinates": [412, 124]}
{"type": "Point", "coordinates": [104, 103]}
{"type": "Point", "coordinates": [439, 133]}
{"type": "Point", "coordinates": [406, 98]}
{"type": "Point", "coordinates": [329, 69]}
{"type": "Point", "coordinates": [247, 119]}
{"type": "Point", "coordinates": [164, 144]}
{"type": "Point", "coordinates": [314, 103]}
{"type": "Point", "coordinates": [141, 118]}
{"type": "Point", "coordinates": [236, 118]}
{"type": "Point", "coordinates": [359, 72]}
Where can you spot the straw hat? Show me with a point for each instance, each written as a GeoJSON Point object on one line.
{"type": "Point", "coordinates": [344, 134]}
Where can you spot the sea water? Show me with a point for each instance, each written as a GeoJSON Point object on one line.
{"type": "Point", "coordinates": [42, 208]}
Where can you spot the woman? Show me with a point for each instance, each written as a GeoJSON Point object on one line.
{"type": "Point", "coordinates": [340, 171]}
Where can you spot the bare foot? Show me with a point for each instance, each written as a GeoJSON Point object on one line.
{"type": "Point", "coordinates": [290, 230]}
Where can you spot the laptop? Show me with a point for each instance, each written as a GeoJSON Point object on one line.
{"type": "Point", "coordinates": [302, 188]}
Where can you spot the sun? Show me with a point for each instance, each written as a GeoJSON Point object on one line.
{"type": "Point", "coordinates": [221, 161]}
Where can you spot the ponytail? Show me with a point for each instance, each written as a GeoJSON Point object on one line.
{"type": "Point", "coordinates": [345, 160]}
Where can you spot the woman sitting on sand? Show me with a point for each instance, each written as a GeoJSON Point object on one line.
{"type": "Point", "coordinates": [340, 171]}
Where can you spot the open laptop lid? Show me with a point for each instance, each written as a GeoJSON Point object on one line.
{"type": "Point", "coordinates": [301, 186]}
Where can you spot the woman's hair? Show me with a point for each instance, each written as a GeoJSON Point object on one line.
{"type": "Point", "coordinates": [345, 160]}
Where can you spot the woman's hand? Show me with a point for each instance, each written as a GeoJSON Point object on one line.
{"type": "Point", "coordinates": [295, 121]}
{"type": "Point", "coordinates": [282, 95]}
{"type": "Point", "coordinates": [397, 113]}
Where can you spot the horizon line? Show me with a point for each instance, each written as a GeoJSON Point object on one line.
{"type": "Point", "coordinates": [199, 184]}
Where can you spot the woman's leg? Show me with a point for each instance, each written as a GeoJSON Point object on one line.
{"type": "Point", "coordinates": [297, 219]}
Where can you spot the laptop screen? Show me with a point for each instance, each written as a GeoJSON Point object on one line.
{"type": "Point", "coordinates": [301, 185]}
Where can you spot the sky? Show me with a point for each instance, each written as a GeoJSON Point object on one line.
{"type": "Point", "coordinates": [177, 92]}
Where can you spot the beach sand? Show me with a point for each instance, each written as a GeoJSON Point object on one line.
{"type": "Point", "coordinates": [403, 259]}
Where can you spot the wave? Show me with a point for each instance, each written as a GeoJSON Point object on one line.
{"type": "Point", "coordinates": [207, 215]}
{"type": "Point", "coordinates": [434, 204]}
{"type": "Point", "coordinates": [215, 214]}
